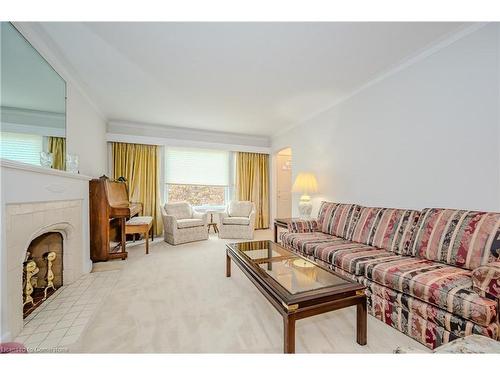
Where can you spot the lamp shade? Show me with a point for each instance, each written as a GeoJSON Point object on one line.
{"type": "Point", "coordinates": [305, 183]}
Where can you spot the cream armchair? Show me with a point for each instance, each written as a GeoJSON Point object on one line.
{"type": "Point", "coordinates": [182, 224]}
{"type": "Point", "coordinates": [238, 221]}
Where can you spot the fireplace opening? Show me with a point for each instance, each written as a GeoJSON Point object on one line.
{"type": "Point", "coordinates": [42, 270]}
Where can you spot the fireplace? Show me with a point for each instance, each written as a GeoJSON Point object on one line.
{"type": "Point", "coordinates": [42, 270]}
{"type": "Point", "coordinates": [33, 230]}
{"type": "Point", "coordinates": [37, 201]}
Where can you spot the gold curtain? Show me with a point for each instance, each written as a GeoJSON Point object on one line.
{"type": "Point", "coordinates": [252, 184]}
{"type": "Point", "coordinates": [140, 165]}
{"type": "Point", "coordinates": [57, 147]}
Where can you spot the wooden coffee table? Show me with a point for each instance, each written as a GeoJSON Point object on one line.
{"type": "Point", "coordinates": [297, 287]}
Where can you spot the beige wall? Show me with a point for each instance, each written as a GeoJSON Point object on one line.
{"type": "Point", "coordinates": [86, 133]}
{"type": "Point", "coordinates": [426, 135]}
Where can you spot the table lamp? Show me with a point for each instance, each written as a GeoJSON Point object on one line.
{"type": "Point", "coordinates": [305, 183]}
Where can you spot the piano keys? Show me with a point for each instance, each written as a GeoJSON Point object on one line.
{"type": "Point", "coordinates": [110, 208]}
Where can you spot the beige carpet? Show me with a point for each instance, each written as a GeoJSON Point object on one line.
{"type": "Point", "coordinates": [107, 266]}
{"type": "Point", "coordinates": [178, 300]}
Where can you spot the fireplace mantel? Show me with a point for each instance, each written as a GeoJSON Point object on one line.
{"type": "Point", "coordinates": [37, 169]}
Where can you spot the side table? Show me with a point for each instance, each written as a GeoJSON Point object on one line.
{"type": "Point", "coordinates": [212, 223]}
{"type": "Point", "coordinates": [280, 223]}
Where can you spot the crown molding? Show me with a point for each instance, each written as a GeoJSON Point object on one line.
{"type": "Point", "coordinates": [171, 142]}
{"type": "Point", "coordinates": [29, 121]}
{"type": "Point", "coordinates": [33, 117]}
{"type": "Point", "coordinates": [179, 134]}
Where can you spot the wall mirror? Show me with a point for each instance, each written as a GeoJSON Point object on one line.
{"type": "Point", "coordinates": [32, 104]}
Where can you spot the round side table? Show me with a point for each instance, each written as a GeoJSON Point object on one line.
{"type": "Point", "coordinates": [212, 223]}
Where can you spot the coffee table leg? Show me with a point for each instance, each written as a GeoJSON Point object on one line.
{"type": "Point", "coordinates": [289, 334]}
{"type": "Point", "coordinates": [228, 265]}
{"type": "Point", "coordinates": [361, 326]}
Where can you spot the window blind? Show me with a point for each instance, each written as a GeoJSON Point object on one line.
{"type": "Point", "coordinates": [196, 167]}
{"type": "Point", "coordinates": [25, 148]}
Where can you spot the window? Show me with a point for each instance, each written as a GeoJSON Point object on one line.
{"type": "Point", "coordinates": [200, 177]}
{"type": "Point", "coordinates": [25, 148]}
{"type": "Point", "coordinates": [197, 195]}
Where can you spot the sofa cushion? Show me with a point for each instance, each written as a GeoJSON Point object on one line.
{"type": "Point", "coordinates": [357, 257]}
{"type": "Point", "coordinates": [236, 220]}
{"type": "Point", "coordinates": [338, 219]}
{"type": "Point", "coordinates": [190, 223]}
{"type": "Point", "coordinates": [302, 225]}
{"type": "Point", "coordinates": [466, 239]}
{"type": "Point", "coordinates": [422, 329]}
{"type": "Point", "coordinates": [387, 228]}
{"type": "Point", "coordinates": [486, 280]}
{"type": "Point", "coordinates": [347, 255]}
{"type": "Point", "coordinates": [444, 286]}
{"type": "Point", "coordinates": [452, 323]}
{"type": "Point", "coordinates": [179, 210]}
{"type": "Point", "coordinates": [240, 208]}
{"type": "Point", "coordinates": [306, 242]}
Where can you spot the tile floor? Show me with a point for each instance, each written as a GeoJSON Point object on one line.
{"type": "Point", "coordinates": [59, 321]}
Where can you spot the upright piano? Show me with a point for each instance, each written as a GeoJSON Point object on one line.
{"type": "Point", "coordinates": [109, 210]}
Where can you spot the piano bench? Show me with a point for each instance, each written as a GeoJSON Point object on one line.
{"type": "Point", "coordinates": [140, 225]}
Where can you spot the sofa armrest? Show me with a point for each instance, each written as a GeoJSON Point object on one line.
{"type": "Point", "coordinates": [251, 218]}
{"type": "Point", "coordinates": [169, 222]}
{"type": "Point", "coordinates": [486, 280]}
{"type": "Point", "coordinates": [303, 226]}
{"type": "Point", "coordinates": [200, 215]}
{"type": "Point", "coordinates": [222, 215]}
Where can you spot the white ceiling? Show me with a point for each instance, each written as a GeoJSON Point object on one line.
{"type": "Point", "coordinates": [251, 78]}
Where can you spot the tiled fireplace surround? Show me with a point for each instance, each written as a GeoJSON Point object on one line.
{"type": "Point", "coordinates": [35, 201]}
{"type": "Point", "coordinates": [25, 222]}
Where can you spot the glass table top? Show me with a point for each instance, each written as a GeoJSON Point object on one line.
{"type": "Point", "coordinates": [294, 273]}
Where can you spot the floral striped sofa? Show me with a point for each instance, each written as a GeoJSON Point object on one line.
{"type": "Point", "coordinates": [432, 274]}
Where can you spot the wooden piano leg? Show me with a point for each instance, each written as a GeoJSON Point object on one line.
{"type": "Point", "coordinates": [123, 238]}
